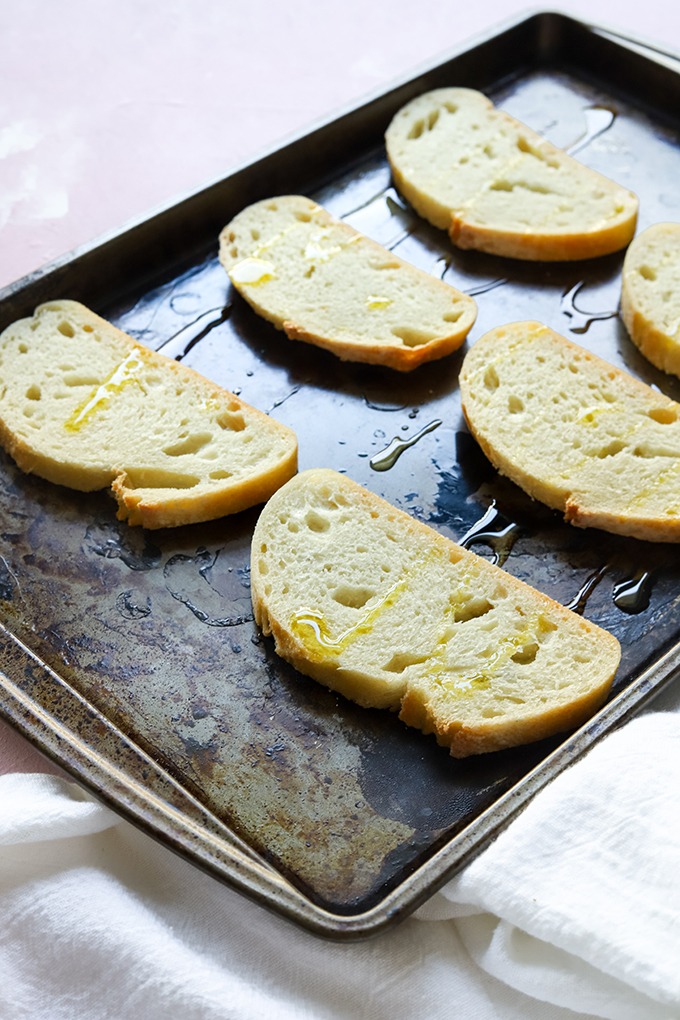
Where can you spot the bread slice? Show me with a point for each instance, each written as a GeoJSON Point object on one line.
{"type": "Point", "coordinates": [497, 186]}
{"type": "Point", "coordinates": [83, 405]}
{"type": "Point", "coordinates": [321, 281]}
{"type": "Point", "coordinates": [650, 295]}
{"type": "Point", "coordinates": [575, 432]}
{"type": "Point", "coordinates": [384, 610]}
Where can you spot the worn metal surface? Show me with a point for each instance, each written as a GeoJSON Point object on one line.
{"type": "Point", "coordinates": [179, 703]}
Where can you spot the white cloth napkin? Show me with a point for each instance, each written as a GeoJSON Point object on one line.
{"type": "Point", "coordinates": [572, 913]}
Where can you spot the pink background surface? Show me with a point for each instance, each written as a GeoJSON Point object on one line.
{"type": "Point", "coordinates": [112, 109]}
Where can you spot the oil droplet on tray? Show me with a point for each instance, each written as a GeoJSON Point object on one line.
{"type": "Point", "coordinates": [598, 120]}
{"type": "Point", "coordinates": [580, 320]}
{"type": "Point", "coordinates": [179, 345]}
{"type": "Point", "coordinates": [579, 602]}
{"type": "Point", "coordinates": [633, 594]}
{"type": "Point", "coordinates": [388, 457]}
{"type": "Point", "coordinates": [495, 530]}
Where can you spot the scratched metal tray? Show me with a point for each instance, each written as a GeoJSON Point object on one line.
{"type": "Point", "coordinates": [132, 659]}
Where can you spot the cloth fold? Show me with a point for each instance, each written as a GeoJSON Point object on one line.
{"type": "Point", "coordinates": [584, 883]}
{"type": "Point", "coordinates": [573, 912]}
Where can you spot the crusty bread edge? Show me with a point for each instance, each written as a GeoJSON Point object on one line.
{"type": "Point", "coordinates": [542, 247]}
{"type": "Point", "coordinates": [526, 245]}
{"type": "Point", "coordinates": [660, 349]}
{"type": "Point", "coordinates": [402, 359]}
{"type": "Point", "coordinates": [462, 741]}
{"type": "Point", "coordinates": [174, 507]}
{"type": "Point", "coordinates": [396, 356]}
{"type": "Point", "coordinates": [575, 512]}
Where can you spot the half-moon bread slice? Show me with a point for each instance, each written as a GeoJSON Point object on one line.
{"type": "Point", "coordinates": [386, 611]}
{"type": "Point", "coordinates": [82, 404]}
{"type": "Point", "coordinates": [496, 185]}
{"type": "Point", "coordinates": [650, 294]}
{"type": "Point", "coordinates": [321, 281]}
{"type": "Point", "coordinates": [575, 432]}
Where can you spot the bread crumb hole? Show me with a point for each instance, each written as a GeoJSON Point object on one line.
{"type": "Point", "coordinates": [417, 129]}
{"type": "Point", "coordinates": [491, 380]}
{"type": "Point", "coordinates": [515, 405]}
{"type": "Point", "coordinates": [352, 597]}
{"type": "Point", "coordinates": [191, 444]}
{"type": "Point", "coordinates": [432, 119]}
{"type": "Point", "coordinates": [219, 474]}
{"type": "Point", "coordinates": [255, 234]}
{"type": "Point", "coordinates": [87, 328]}
{"type": "Point", "coordinates": [411, 337]}
{"type": "Point", "coordinates": [545, 626]}
{"type": "Point", "coordinates": [453, 316]}
{"type": "Point", "coordinates": [663, 415]}
{"type": "Point", "coordinates": [304, 217]}
{"type": "Point", "coordinates": [471, 610]}
{"type": "Point", "coordinates": [33, 392]}
{"type": "Point", "coordinates": [74, 378]}
{"type": "Point", "coordinates": [23, 348]}
{"type": "Point", "coordinates": [381, 263]}
{"type": "Point", "coordinates": [156, 478]}
{"type": "Point", "coordinates": [450, 107]}
{"type": "Point", "coordinates": [231, 420]}
{"type": "Point", "coordinates": [66, 328]}
{"type": "Point", "coordinates": [402, 660]}
{"type": "Point", "coordinates": [612, 449]}
{"type": "Point", "coordinates": [316, 521]}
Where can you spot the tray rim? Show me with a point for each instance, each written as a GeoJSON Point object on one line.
{"type": "Point", "coordinates": [650, 52]}
{"type": "Point", "coordinates": [255, 878]}
{"type": "Point", "coordinates": [245, 872]}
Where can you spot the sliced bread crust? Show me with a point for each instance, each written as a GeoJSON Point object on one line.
{"type": "Point", "coordinates": [650, 294]}
{"type": "Point", "coordinates": [497, 186]}
{"type": "Point", "coordinates": [575, 432]}
{"type": "Point", "coordinates": [384, 610]}
{"type": "Point", "coordinates": [323, 282]}
{"type": "Point", "coordinates": [83, 405]}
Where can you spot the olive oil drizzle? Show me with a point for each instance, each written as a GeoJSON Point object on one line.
{"type": "Point", "coordinates": [311, 627]}
{"type": "Point", "coordinates": [123, 375]}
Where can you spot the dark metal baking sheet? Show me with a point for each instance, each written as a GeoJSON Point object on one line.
{"type": "Point", "coordinates": [131, 657]}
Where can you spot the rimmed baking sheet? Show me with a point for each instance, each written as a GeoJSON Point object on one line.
{"type": "Point", "coordinates": [131, 657]}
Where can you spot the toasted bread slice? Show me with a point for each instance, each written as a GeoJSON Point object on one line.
{"type": "Point", "coordinates": [321, 281]}
{"type": "Point", "coordinates": [575, 432]}
{"type": "Point", "coordinates": [384, 610]}
{"type": "Point", "coordinates": [650, 295]}
{"type": "Point", "coordinates": [83, 405]}
{"type": "Point", "coordinates": [496, 185]}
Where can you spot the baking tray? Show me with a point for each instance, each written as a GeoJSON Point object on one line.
{"type": "Point", "coordinates": [131, 657]}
